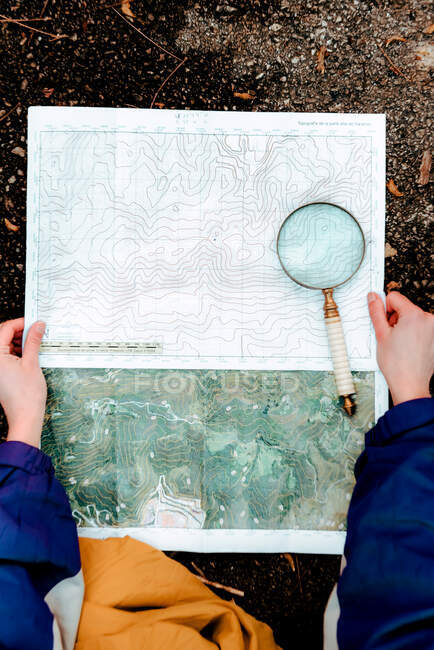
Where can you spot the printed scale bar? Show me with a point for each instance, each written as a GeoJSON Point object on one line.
{"type": "Point", "coordinates": [81, 347]}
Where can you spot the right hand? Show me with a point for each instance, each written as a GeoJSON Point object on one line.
{"type": "Point", "coordinates": [405, 345]}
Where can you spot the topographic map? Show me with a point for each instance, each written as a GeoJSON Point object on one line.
{"type": "Point", "coordinates": [167, 239]}
{"type": "Point", "coordinates": [152, 258]}
{"type": "Point", "coordinates": [205, 450]}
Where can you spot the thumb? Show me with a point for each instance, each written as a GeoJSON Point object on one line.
{"type": "Point", "coordinates": [395, 301]}
{"type": "Point", "coordinates": [33, 342]}
{"type": "Point", "coordinates": [378, 315]}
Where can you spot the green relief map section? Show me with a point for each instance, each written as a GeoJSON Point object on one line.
{"type": "Point", "coordinates": [205, 449]}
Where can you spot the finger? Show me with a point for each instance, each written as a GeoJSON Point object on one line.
{"type": "Point", "coordinates": [33, 342]}
{"type": "Point", "coordinates": [9, 329]}
{"type": "Point", "coordinates": [6, 349]}
{"type": "Point", "coordinates": [378, 315]}
{"type": "Point", "coordinates": [395, 301]}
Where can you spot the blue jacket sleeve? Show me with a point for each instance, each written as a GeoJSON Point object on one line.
{"type": "Point", "coordinates": [386, 591]}
{"type": "Point", "coordinates": [38, 545]}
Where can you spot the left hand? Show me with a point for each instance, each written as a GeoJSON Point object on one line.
{"type": "Point", "coordinates": [23, 391]}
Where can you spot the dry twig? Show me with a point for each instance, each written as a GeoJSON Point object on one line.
{"type": "Point", "coordinates": [167, 79]}
{"type": "Point", "coordinates": [393, 67]}
{"type": "Point", "coordinates": [3, 117]}
{"type": "Point", "coordinates": [395, 37]}
{"type": "Point", "coordinates": [55, 37]}
{"type": "Point", "coordinates": [290, 559]}
{"type": "Point", "coordinates": [144, 35]}
{"type": "Point", "coordinates": [23, 20]}
{"type": "Point", "coordinates": [198, 569]}
{"type": "Point", "coordinates": [41, 14]}
{"type": "Point", "coordinates": [217, 585]}
{"type": "Point", "coordinates": [163, 49]}
{"type": "Point", "coordinates": [298, 576]}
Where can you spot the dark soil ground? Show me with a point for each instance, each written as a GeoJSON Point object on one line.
{"type": "Point", "coordinates": [266, 51]}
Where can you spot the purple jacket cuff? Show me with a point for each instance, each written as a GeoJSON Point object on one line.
{"type": "Point", "coordinates": [400, 419]}
{"type": "Point", "coordinates": [14, 453]}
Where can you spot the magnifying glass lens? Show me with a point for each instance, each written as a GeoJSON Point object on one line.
{"type": "Point", "coordinates": [320, 245]}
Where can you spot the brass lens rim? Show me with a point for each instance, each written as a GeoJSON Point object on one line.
{"type": "Point", "coordinates": [334, 205]}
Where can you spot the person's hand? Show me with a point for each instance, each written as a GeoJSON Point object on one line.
{"type": "Point", "coordinates": [23, 390]}
{"type": "Point", "coordinates": [405, 350]}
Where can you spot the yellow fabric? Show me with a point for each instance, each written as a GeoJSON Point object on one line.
{"type": "Point", "coordinates": [136, 597]}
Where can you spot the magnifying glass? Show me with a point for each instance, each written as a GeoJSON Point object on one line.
{"type": "Point", "coordinates": [321, 246]}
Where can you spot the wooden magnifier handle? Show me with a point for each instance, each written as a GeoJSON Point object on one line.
{"type": "Point", "coordinates": [338, 349]}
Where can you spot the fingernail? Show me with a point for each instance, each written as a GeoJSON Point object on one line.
{"type": "Point", "coordinates": [371, 297]}
{"type": "Point", "coordinates": [40, 327]}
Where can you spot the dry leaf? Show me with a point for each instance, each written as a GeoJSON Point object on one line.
{"type": "Point", "coordinates": [19, 151]}
{"type": "Point", "coordinates": [250, 94]}
{"type": "Point", "coordinates": [126, 9]}
{"type": "Point", "coordinates": [389, 251]}
{"type": "Point", "coordinates": [11, 226]}
{"type": "Point", "coordinates": [392, 285]}
{"type": "Point", "coordinates": [47, 92]}
{"type": "Point", "coordinates": [425, 168]}
{"type": "Point", "coordinates": [8, 203]}
{"type": "Point", "coordinates": [320, 55]}
{"type": "Point", "coordinates": [395, 37]}
{"type": "Point", "coordinates": [290, 559]}
{"type": "Point", "coordinates": [393, 189]}
{"type": "Point", "coordinates": [429, 29]}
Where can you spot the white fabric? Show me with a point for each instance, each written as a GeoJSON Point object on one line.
{"type": "Point", "coordinates": [331, 617]}
{"type": "Point", "coordinates": [65, 601]}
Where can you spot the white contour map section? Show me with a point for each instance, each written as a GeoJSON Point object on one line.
{"type": "Point", "coordinates": [160, 226]}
